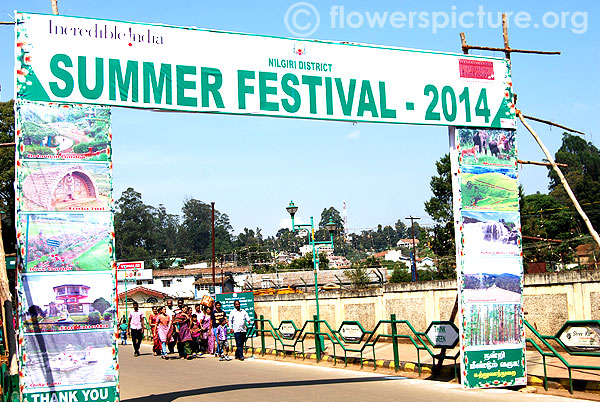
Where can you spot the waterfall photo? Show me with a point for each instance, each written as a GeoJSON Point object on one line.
{"type": "Point", "coordinates": [492, 280]}
{"type": "Point", "coordinates": [491, 233]}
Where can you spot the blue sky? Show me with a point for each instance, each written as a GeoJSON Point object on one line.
{"type": "Point", "coordinates": [252, 166]}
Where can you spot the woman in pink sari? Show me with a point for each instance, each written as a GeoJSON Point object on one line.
{"type": "Point", "coordinates": [153, 320]}
{"type": "Point", "coordinates": [163, 324]}
{"type": "Point", "coordinates": [207, 337]}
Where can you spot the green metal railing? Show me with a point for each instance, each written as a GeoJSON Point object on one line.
{"type": "Point", "coordinates": [312, 328]}
{"type": "Point", "coordinates": [340, 347]}
{"type": "Point", "coordinates": [550, 351]}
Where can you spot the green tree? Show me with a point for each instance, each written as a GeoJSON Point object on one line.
{"type": "Point", "coordinates": [401, 273]}
{"type": "Point", "coordinates": [7, 175]}
{"type": "Point", "coordinates": [167, 233]}
{"type": "Point", "coordinates": [101, 305]}
{"type": "Point", "coordinates": [441, 236]}
{"type": "Point", "coordinates": [305, 263]}
{"type": "Point", "coordinates": [543, 216]}
{"type": "Point", "coordinates": [401, 229]}
{"type": "Point", "coordinates": [582, 174]}
{"type": "Point", "coordinates": [134, 227]}
{"type": "Point", "coordinates": [439, 207]}
{"type": "Point", "coordinates": [358, 277]}
{"type": "Point", "coordinates": [196, 229]}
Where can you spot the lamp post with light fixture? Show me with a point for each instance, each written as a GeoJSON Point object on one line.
{"type": "Point", "coordinates": [331, 227]}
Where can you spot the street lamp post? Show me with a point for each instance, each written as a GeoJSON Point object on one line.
{"type": "Point", "coordinates": [415, 276]}
{"type": "Point", "coordinates": [330, 226]}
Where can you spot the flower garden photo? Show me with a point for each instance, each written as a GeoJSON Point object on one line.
{"type": "Point", "coordinates": [66, 242]}
{"type": "Point", "coordinates": [64, 132]}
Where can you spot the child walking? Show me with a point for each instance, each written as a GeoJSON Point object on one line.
{"type": "Point", "coordinates": [222, 340]}
{"type": "Point", "coordinates": [195, 330]}
{"type": "Point", "coordinates": [123, 329]}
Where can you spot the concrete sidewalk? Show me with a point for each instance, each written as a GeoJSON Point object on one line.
{"type": "Point", "coordinates": [557, 373]}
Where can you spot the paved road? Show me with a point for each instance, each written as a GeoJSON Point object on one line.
{"type": "Point", "coordinates": [150, 379]}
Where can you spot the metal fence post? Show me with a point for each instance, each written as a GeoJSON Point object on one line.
{"type": "Point", "coordinates": [262, 335]}
{"type": "Point", "coordinates": [395, 343]}
{"type": "Point", "coordinates": [317, 338]}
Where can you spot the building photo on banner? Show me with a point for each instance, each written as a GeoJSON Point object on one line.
{"type": "Point", "coordinates": [489, 257]}
{"type": "Point", "coordinates": [66, 281]}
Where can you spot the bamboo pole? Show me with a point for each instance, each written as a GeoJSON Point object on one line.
{"type": "Point", "coordinates": [552, 124]}
{"type": "Point", "coordinates": [583, 215]}
{"type": "Point", "coordinates": [5, 295]}
{"type": "Point", "coordinates": [54, 7]}
{"type": "Point", "coordinates": [540, 163]}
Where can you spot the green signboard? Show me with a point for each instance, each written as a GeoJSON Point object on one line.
{"type": "Point", "coordinates": [99, 394]}
{"type": "Point", "coordinates": [494, 368]}
{"type": "Point", "coordinates": [246, 303]}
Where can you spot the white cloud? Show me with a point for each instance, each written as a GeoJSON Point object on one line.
{"type": "Point", "coordinates": [353, 135]}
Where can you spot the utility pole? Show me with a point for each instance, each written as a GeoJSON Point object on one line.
{"type": "Point", "coordinates": [213, 245]}
{"type": "Point", "coordinates": [412, 225]}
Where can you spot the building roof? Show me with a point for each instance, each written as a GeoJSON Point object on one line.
{"type": "Point", "coordinates": [209, 280]}
{"type": "Point", "coordinates": [149, 292]}
{"type": "Point", "coordinates": [70, 284]}
{"type": "Point", "coordinates": [381, 254]}
{"type": "Point", "coordinates": [165, 273]}
{"type": "Point", "coordinates": [408, 241]}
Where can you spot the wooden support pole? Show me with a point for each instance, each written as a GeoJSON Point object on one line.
{"type": "Point", "coordinates": [510, 50]}
{"type": "Point", "coordinates": [54, 7]}
{"type": "Point", "coordinates": [541, 239]}
{"type": "Point", "coordinates": [564, 182]}
{"type": "Point", "coordinates": [541, 163]}
{"type": "Point", "coordinates": [552, 124]}
{"type": "Point", "coordinates": [505, 36]}
{"type": "Point", "coordinates": [463, 40]}
{"type": "Point", "coordinates": [4, 296]}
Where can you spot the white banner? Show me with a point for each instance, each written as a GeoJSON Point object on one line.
{"type": "Point", "coordinates": [82, 60]}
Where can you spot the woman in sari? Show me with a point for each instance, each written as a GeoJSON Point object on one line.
{"type": "Point", "coordinates": [207, 336]}
{"type": "Point", "coordinates": [153, 320]}
{"type": "Point", "coordinates": [163, 324]}
{"type": "Point", "coordinates": [182, 320]}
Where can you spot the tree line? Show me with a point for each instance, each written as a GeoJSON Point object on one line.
{"type": "Point", "coordinates": [152, 234]}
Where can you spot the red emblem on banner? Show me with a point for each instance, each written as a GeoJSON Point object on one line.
{"type": "Point", "coordinates": [478, 69]}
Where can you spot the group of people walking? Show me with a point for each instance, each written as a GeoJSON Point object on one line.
{"type": "Point", "coordinates": [194, 331]}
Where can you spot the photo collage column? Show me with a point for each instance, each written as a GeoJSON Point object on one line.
{"type": "Point", "coordinates": [66, 282]}
{"type": "Point", "coordinates": [489, 256]}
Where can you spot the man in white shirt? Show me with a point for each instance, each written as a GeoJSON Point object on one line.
{"type": "Point", "coordinates": [170, 311]}
{"type": "Point", "coordinates": [136, 320]}
{"type": "Point", "coordinates": [238, 319]}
